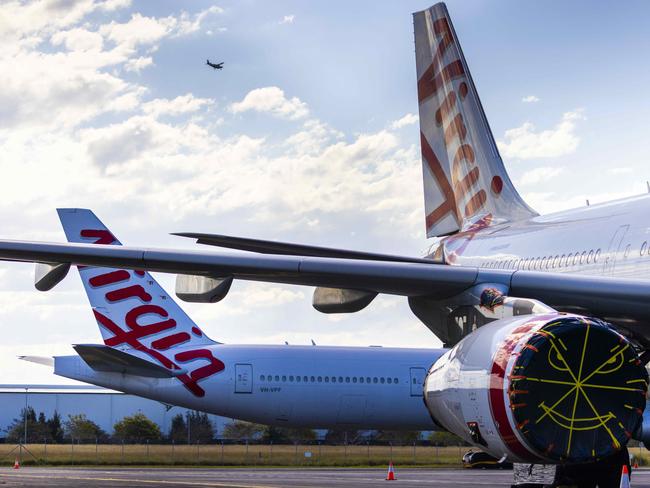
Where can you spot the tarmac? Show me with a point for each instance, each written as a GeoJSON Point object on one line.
{"type": "Point", "coordinates": [261, 478]}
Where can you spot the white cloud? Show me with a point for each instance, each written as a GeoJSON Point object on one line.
{"type": "Point", "coordinates": [287, 19]}
{"type": "Point", "coordinates": [271, 99]}
{"type": "Point", "coordinates": [136, 65]}
{"type": "Point", "coordinates": [180, 105]}
{"type": "Point", "coordinates": [620, 170]}
{"type": "Point", "coordinates": [408, 119]}
{"type": "Point", "coordinates": [526, 143]}
{"type": "Point", "coordinates": [539, 175]}
{"type": "Point", "coordinates": [78, 39]}
{"type": "Point", "coordinates": [530, 99]}
{"type": "Point", "coordinates": [139, 30]}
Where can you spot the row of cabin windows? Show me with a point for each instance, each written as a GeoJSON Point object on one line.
{"type": "Point", "coordinates": [547, 262]}
{"type": "Point", "coordinates": [329, 379]}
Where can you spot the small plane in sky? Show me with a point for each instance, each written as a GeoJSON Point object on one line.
{"type": "Point", "coordinates": [213, 65]}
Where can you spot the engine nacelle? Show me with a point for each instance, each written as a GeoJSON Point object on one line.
{"type": "Point", "coordinates": [550, 388]}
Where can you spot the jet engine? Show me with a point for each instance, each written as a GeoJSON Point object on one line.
{"type": "Point", "coordinates": [550, 388]}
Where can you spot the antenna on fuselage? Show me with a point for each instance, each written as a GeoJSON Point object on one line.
{"type": "Point", "coordinates": [587, 202]}
{"type": "Point", "coordinates": [312, 342]}
{"type": "Point", "coordinates": [647, 183]}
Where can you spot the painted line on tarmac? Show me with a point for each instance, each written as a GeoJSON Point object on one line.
{"type": "Point", "coordinates": [135, 480]}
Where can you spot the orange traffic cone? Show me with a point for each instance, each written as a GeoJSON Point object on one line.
{"type": "Point", "coordinates": [636, 464]}
{"type": "Point", "coordinates": [391, 472]}
{"type": "Point", "coordinates": [16, 464]}
{"type": "Point", "coordinates": [625, 478]}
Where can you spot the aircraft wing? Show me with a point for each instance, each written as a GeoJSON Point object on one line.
{"type": "Point", "coordinates": [622, 301]}
{"type": "Point", "coordinates": [398, 278]}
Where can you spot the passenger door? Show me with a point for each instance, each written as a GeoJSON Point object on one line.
{"type": "Point", "coordinates": [613, 250]}
{"type": "Point", "coordinates": [243, 378]}
{"type": "Point", "coordinates": [417, 381]}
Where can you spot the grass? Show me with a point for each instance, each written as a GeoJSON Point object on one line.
{"type": "Point", "coordinates": [232, 455]}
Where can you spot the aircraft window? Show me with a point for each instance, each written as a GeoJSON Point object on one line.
{"type": "Point", "coordinates": [269, 378]}
{"type": "Point", "coordinates": [354, 379]}
{"type": "Point", "coordinates": [305, 379]}
{"type": "Point", "coordinates": [395, 381]}
{"type": "Point", "coordinates": [568, 259]}
{"type": "Point", "coordinates": [576, 256]}
{"type": "Point", "coordinates": [382, 380]}
{"type": "Point", "coordinates": [562, 261]}
{"type": "Point", "coordinates": [415, 381]}
{"type": "Point", "coordinates": [340, 379]}
{"type": "Point", "coordinates": [277, 378]}
{"type": "Point", "coordinates": [290, 378]}
{"type": "Point", "coordinates": [389, 380]}
{"type": "Point", "coordinates": [644, 248]}
{"type": "Point", "coordinates": [367, 379]}
{"type": "Point", "coordinates": [320, 379]}
{"type": "Point", "coordinates": [327, 379]}
{"type": "Point", "coordinates": [590, 256]}
{"type": "Point", "coordinates": [583, 256]}
{"type": "Point", "coordinates": [298, 379]}
{"type": "Point", "coordinates": [361, 380]}
{"type": "Point", "coordinates": [262, 378]}
{"type": "Point", "coordinates": [627, 251]}
{"type": "Point", "coordinates": [333, 379]}
{"type": "Point", "coordinates": [347, 379]}
{"type": "Point", "coordinates": [312, 379]}
{"type": "Point", "coordinates": [374, 380]}
{"type": "Point", "coordinates": [284, 378]}
{"type": "Point", "coordinates": [542, 263]}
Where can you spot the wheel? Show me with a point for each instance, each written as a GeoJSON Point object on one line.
{"type": "Point", "coordinates": [609, 474]}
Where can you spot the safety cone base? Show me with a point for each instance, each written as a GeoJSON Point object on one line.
{"type": "Point", "coordinates": [16, 464]}
{"type": "Point", "coordinates": [625, 478]}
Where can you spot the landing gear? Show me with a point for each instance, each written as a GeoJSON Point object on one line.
{"type": "Point", "coordinates": [602, 474]}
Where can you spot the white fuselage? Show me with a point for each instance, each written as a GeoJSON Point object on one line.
{"type": "Point", "coordinates": [312, 386]}
{"type": "Point", "coordinates": [610, 239]}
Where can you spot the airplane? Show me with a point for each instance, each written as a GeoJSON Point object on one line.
{"type": "Point", "coordinates": [544, 318]}
{"type": "Point", "coordinates": [213, 65]}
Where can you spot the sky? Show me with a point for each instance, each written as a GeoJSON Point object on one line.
{"type": "Point", "coordinates": [309, 134]}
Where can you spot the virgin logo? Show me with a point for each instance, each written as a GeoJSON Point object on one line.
{"type": "Point", "coordinates": [463, 196]}
{"type": "Point", "coordinates": [164, 328]}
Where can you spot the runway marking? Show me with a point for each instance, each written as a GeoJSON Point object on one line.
{"type": "Point", "coordinates": [135, 480]}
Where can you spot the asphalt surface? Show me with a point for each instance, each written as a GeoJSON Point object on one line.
{"type": "Point", "coordinates": [261, 478]}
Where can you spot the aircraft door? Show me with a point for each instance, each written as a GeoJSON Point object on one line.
{"type": "Point", "coordinates": [417, 381]}
{"type": "Point", "coordinates": [613, 249]}
{"type": "Point", "coordinates": [243, 378]}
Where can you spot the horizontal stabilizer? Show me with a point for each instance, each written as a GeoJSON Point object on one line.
{"type": "Point", "coordinates": [290, 249]}
{"type": "Point", "coordinates": [108, 360]}
{"type": "Point", "coordinates": [44, 360]}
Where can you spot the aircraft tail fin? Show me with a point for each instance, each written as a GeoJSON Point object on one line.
{"type": "Point", "coordinates": [135, 313]}
{"type": "Point", "coordinates": [465, 181]}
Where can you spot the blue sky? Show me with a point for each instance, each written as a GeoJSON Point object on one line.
{"type": "Point", "coordinates": [108, 104]}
